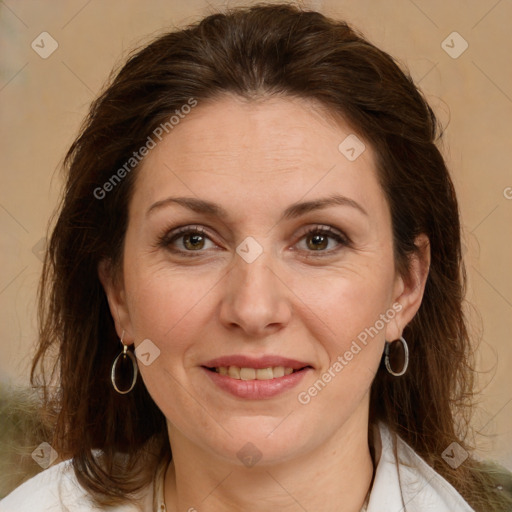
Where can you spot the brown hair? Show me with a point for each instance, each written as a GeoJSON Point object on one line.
{"type": "Point", "coordinates": [261, 50]}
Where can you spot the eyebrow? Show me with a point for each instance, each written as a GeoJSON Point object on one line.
{"type": "Point", "coordinates": [293, 211]}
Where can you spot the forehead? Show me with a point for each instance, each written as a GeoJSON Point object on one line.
{"type": "Point", "coordinates": [279, 128]}
{"type": "Point", "coordinates": [272, 149]}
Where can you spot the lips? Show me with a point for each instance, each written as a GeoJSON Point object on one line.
{"type": "Point", "coordinates": [255, 378]}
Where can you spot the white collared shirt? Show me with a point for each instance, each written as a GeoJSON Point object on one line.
{"type": "Point", "coordinates": [408, 484]}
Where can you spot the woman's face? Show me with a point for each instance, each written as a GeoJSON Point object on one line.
{"type": "Point", "coordinates": [220, 271]}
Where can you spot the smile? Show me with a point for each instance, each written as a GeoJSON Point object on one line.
{"type": "Point", "coordinates": [250, 383]}
{"type": "Point", "coordinates": [235, 372]}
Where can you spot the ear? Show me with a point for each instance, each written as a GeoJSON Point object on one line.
{"type": "Point", "coordinates": [114, 289]}
{"type": "Point", "coordinates": [409, 288]}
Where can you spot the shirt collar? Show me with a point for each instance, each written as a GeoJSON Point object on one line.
{"type": "Point", "coordinates": [404, 482]}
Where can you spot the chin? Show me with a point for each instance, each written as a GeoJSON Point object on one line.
{"type": "Point", "coordinates": [268, 440]}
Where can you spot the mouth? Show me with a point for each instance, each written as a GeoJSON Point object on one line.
{"type": "Point", "coordinates": [249, 378]}
{"type": "Point", "coordinates": [248, 373]}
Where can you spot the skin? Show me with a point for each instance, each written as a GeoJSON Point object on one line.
{"type": "Point", "coordinates": [256, 158]}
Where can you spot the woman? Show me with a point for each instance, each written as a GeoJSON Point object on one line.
{"type": "Point", "coordinates": [257, 269]}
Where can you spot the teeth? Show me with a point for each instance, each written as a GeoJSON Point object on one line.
{"type": "Point", "coordinates": [234, 372]}
{"type": "Point", "coordinates": [278, 371]}
{"type": "Point", "coordinates": [254, 374]}
{"type": "Point", "coordinates": [264, 373]}
{"type": "Point", "coordinates": [247, 373]}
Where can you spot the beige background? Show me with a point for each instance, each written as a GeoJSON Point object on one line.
{"type": "Point", "coordinates": [42, 102]}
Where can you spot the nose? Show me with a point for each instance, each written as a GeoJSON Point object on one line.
{"type": "Point", "coordinates": [255, 299]}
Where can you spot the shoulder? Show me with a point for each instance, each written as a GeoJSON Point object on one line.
{"type": "Point", "coordinates": [414, 482]}
{"type": "Point", "coordinates": [424, 486]}
{"type": "Point", "coordinates": [54, 490]}
{"type": "Point", "coordinates": [43, 492]}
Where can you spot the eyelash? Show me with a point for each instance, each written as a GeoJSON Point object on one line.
{"type": "Point", "coordinates": [167, 239]}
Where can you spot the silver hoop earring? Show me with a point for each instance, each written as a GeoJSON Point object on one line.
{"type": "Point", "coordinates": [406, 357]}
{"type": "Point", "coordinates": [121, 360]}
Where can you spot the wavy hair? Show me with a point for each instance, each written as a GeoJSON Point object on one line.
{"type": "Point", "coordinates": [251, 52]}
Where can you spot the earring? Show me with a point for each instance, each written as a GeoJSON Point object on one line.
{"type": "Point", "coordinates": [122, 361]}
{"type": "Point", "coordinates": [406, 357]}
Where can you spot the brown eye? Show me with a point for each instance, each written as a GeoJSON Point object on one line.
{"type": "Point", "coordinates": [186, 241]}
{"type": "Point", "coordinates": [317, 242]}
{"type": "Point", "coordinates": [323, 241]}
{"type": "Point", "coordinates": [193, 242]}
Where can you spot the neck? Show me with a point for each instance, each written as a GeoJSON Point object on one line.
{"type": "Point", "coordinates": [334, 477]}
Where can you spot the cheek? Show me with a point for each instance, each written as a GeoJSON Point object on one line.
{"type": "Point", "coordinates": [161, 302]}
{"type": "Point", "coordinates": [348, 324]}
{"type": "Point", "coordinates": [344, 305]}
{"type": "Point", "coordinates": [169, 308]}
